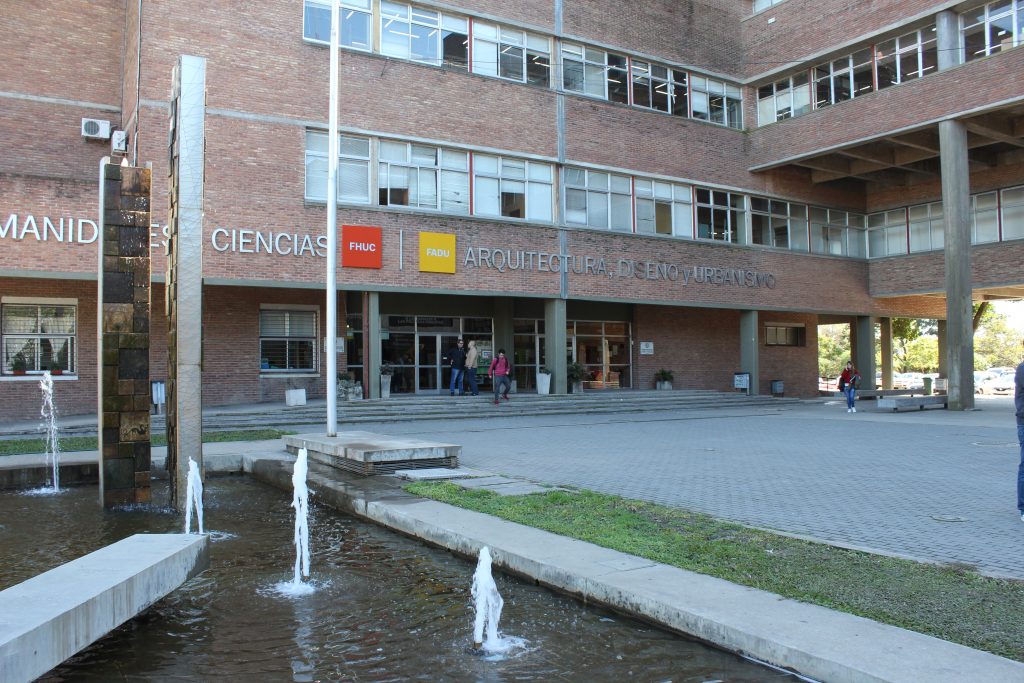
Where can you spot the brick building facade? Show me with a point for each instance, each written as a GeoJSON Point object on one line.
{"type": "Point", "coordinates": [693, 185]}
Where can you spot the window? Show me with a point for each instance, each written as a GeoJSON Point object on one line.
{"type": "Point", "coordinates": [720, 215]}
{"type": "Point", "coordinates": [992, 28]}
{"type": "Point", "coordinates": [905, 58]}
{"type": "Point", "coordinates": [287, 340]}
{"type": "Point", "coordinates": [927, 230]}
{"type": "Point", "coordinates": [353, 168]}
{"type": "Point", "coordinates": [354, 30]}
{"type": "Point", "coordinates": [37, 337]}
{"type": "Point", "coordinates": [583, 70]}
{"type": "Point", "coordinates": [985, 218]}
{"type": "Point", "coordinates": [778, 224]}
{"type": "Point", "coordinates": [658, 87]}
{"type": "Point", "coordinates": [423, 35]}
{"type": "Point", "coordinates": [618, 78]}
{"type": "Point", "coordinates": [887, 233]}
{"type": "Point", "coordinates": [663, 208]}
{"type": "Point", "coordinates": [423, 177]}
{"type": "Point", "coordinates": [513, 54]}
{"type": "Point", "coordinates": [843, 79]}
{"type": "Point", "coordinates": [760, 5]}
{"type": "Point", "coordinates": [513, 188]}
{"type": "Point", "coordinates": [784, 335]}
{"type": "Point", "coordinates": [598, 200]}
{"type": "Point", "coordinates": [1013, 213]}
{"type": "Point", "coordinates": [836, 233]}
{"type": "Point", "coordinates": [716, 102]}
{"type": "Point", "coordinates": [783, 99]}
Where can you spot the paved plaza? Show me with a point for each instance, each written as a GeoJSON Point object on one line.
{"type": "Point", "coordinates": [933, 485]}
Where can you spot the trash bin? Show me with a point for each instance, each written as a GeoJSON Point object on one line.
{"type": "Point", "coordinates": [928, 386]}
{"type": "Point", "coordinates": [777, 387]}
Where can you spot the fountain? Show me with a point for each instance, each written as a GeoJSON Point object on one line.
{"type": "Point", "coordinates": [488, 604]}
{"type": "Point", "coordinates": [300, 501]}
{"type": "Point", "coordinates": [49, 414]}
{"type": "Point", "coordinates": [193, 497]}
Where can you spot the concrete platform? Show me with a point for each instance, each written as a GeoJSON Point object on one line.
{"type": "Point", "coordinates": [367, 453]}
{"type": "Point", "coordinates": [50, 617]}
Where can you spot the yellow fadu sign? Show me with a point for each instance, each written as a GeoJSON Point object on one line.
{"type": "Point", "coordinates": [437, 252]}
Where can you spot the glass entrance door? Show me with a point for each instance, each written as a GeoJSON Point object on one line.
{"type": "Point", "coordinates": [434, 372]}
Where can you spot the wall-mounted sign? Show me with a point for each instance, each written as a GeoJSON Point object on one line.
{"type": "Point", "coordinates": [437, 252]}
{"type": "Point", "coordinates": [646, 348]}
{"type": "Point", "coordinates": [46, 229]}
{"type": "Point", "coordinates": [741, 380]}
{"type": "Point", "coordinates": [361, 246]}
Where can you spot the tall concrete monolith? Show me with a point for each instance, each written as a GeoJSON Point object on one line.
{"type": "Point", "coordinates": [184, 289]}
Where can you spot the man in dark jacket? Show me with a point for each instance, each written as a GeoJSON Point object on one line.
{"type": "Point", "coordinates": [457, 359]}
{"type": "Point", "coordinates": [1018, 402]}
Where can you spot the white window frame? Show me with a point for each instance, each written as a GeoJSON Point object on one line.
{"type": "Point", "coordinates": [706, 90]}
{"type": "Point", "coordinates": [604, 193]}
{"type": "Point", "coordinates": [916, 44]}
{"type": "Point", "coordinates": [887, 233]}
{"type": "Point", "coordinates": [316, 154]}
{"type": "Point", "coordinates": [782, 99]}
{"type": "Point", "coordinates": [315, 339]}
{"type": "Point", "coordinates": [351, 10]}
{"type": "Point", "coordinates": [35, 368]}
{"type": "Point", "coordinates": [736, 225]}
{"type": "Point", "coordinates": [417, 19]}
{"type": "Point", "coordinates": [491, 41]}
{"type": "Point", "coordinates": [536, 177]}
{"type": "Point", "coordinates": [791, 216]}
{"type": "Point", "coordinates": [925, 227]}
{"type": "Point", "coordinates": [648, 194]}
{"type": "Point", "coordinates": [594, 71]}
{"type": "Point", "coordinates": [1016, 16]}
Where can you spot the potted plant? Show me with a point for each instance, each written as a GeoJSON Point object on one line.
{"type": "Point", "coordinates": [19, 366]}
{"type": "Point", "coordinates": [543, 381]}
{"type": "Point", "coordinates": [574, 373]}
{"type": "Point", "coordinates": [386, 371]}
{"type": "Point", "coordinates": [55, 368]}
{"type": "Point", "coordinates": [348, 388]}
{"type": "Point", "coordinates": [663, 380]}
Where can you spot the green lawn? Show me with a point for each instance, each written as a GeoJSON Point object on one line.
{"type": "Point", "coordinates": [90, 443]}
{"type": "Point", "coordinates": [950, 602]}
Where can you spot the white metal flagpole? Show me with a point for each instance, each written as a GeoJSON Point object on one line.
{"type": "Point", "coordinates": [332, 233]}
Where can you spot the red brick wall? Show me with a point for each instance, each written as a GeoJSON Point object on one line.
{"type": "Point", "coordinates": [992, 265]}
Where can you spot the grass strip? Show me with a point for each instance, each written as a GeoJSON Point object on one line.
{"type": "Point", "coordinates": [952, 602]}
{"type": "Point", "coordinates": [69, 444]}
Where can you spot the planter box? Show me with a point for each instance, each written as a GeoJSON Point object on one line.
{"type": "Point", "coordinates": [385, 386]}
{"type": "Point", "coordinates": [543, 383]}
{"type": "Point", "coordinates": [663, 386]}
{"type": "Point", "coordinates": [295, 397]}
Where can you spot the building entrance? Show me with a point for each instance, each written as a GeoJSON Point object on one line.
{"type": "Point", "coordinates": [417, 348]}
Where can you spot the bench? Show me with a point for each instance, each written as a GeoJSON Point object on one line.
{"type": "Point", "coordinates": [896, 402]}
{"type": "Point", "coordinates": [879, 393]}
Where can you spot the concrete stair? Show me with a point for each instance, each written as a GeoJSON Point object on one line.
{"type": "Point", "coordinates": [406, 408]}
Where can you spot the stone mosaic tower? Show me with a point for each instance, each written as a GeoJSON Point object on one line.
{"type": "Point", "coordinates": [123, 321]}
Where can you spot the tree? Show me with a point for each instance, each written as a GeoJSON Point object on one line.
{"type": "Point", "coordinates": [833, 349]}
{"type": "Point", "coordinates": [904, 331]}
{"type": "Point", "coordinates": [996, 344]}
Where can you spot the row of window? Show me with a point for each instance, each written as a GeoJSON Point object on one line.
{"type": "Point", "coordinates": [440, 39]}
{"type": "Point", "coordinates": [995, 217]}
{"type": "Point", "coordinates": [984, 31]}
{"type": "Point", "coordinates": [392, 173]}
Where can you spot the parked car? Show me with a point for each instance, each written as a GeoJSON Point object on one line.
{"type": "Point", "coordinates": [1001, 384]}
{"type": "Point", "coordinates": [908, 380]}
{"type": "Point", "coordinates": [982, 376]}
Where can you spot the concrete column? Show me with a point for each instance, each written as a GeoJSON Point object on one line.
{"type": "Point", "coordinates": [943, 349]}
{"type": "Point", "coordinates": [554, 344]}
{"type": "Point", "coordinates": [504, 308]}
{"type": "Point", "coordinates": [947, 38]}
{"type": "Point", "coordinates": [749, 358]}
{"type": "Point", "coordinates": [864, 354]}
{"type": "Point", "coordinates": [886, 343]}
{"type": "Point", "coordinates": [956, 210]}
{"type": "Point", "coordinates": [371, 333]}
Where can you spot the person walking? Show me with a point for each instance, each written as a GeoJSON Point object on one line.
{"type": "Point", "coordinates": [1018, 404]}
{"type": "Point", "coordinates": [848, 385]}
{"type": "Point", "coordinates": [457, 359]}
{"type": "Point", "coordinates": [472, 359]}
{"type": "Point", "coordinates": [499, 371]}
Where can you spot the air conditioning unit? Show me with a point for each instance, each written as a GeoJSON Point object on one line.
{"type": "Point", "coordinates": [119, 142]}
{"type": "Point", "coordinates": [95, 129]}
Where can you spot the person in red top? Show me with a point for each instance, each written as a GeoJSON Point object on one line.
{"type": "Point", "coordinates": [500, 371]}
{"type": "Point", "coordinates": [848, 385]}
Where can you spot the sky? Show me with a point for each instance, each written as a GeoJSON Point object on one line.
{"type": "Point", "coordinates": [1014, 312]}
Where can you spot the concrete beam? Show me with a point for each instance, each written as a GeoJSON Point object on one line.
{"type": "Point", "coordinates": [50, 617]}
{"type": "Point", "coordinates": [990, 131]}
{"type": "Point", "coordinates": [555, 344]}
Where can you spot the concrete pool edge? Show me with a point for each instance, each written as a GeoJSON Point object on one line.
{"type": "Point", "coordinates": [813, 641]}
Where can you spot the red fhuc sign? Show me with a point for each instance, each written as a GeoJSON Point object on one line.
{"type": "Point", "coordinates": [361, 246]}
